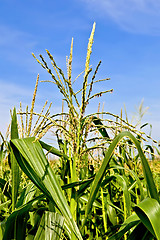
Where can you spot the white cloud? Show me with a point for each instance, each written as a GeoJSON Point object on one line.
{"type": "Point", "coordinates": [137, 16]}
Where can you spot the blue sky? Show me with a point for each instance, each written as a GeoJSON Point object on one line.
{"type": "Point", "coordinates": [127, 40]}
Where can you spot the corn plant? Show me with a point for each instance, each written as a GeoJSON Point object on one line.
{"type": "Point", "coordinates": [78, 133]}
{"type": "Point", "coordinates": [32, 160]}
{"type": "Point", "coordinates": [96, 189]}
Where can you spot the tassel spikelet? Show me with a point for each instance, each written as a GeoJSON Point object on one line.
{"type": "Point", "coordinates": [1, 135]}
{"type": "Point", "coordinates": [41, 134]}
{"type": "Point", "coordinates": [28, 129]}
{"type": "Point", "coordinates": [70, 63]}
{"type": "Point", "coordinates": [39, 117]}
{"type": "Point", "coordinates": [22, 123]}
{"type": "Point", "coordinates": [26, 119]}
{"type": "Point", "coordinates": [78, 77]}
{"type": "Point", "coordinates": [73, 126]}
{"type": "Point", "coordinates": [32, 106]}
{"type": "Point", "coordinates": [43, 122]}
{"type": "Point", "coordinates": [8, 131]}
{"type": "Point", "coordinates": [100, 94]}
{"type": "Point", "coordinates": [82, 137]}
{"type": "Point", "coordinates": [87, 69]}
{"type": "Point", "coordinates": [89, 50]}
{"type": "Point", "coordinates": [38, 61]}
{"type": "Point", "coordinates": [91, 84]}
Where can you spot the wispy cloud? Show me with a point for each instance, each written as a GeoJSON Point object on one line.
{"type": "Point", "coordinates": [11, 95]}
{"type": "Point", "coordinates": [136, 16]}
{"type": "Point", "coordinates": [16, 46]}
{"type": "Point", "coordinates": [13, 91]}
{"type": "Point", "coordinates": [14, 37]}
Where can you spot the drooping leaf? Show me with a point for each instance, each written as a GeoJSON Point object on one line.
{"type": "Point", "coordinates": [100, 127]}
{"type": "Point", "coordinates": [140, 232]}
{"type": "Point", "coordinates": [33, 162]}
{"type": "Point", "coordinates": [100, 174]}
{"type": "Point", "coordinates": [130, 222]}
{"type": "Point", "coordinates": [149, 213]}
{"type": "Point", "coordinates": [53, 150]}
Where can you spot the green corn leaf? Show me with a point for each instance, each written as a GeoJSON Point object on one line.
{"type": "Point", "coordinates": [40, 234]}
{"type": "Point", "coordinates": [6, 188]}
{"type": "Point", "coordinates": [100, 127]}
{"type": "Point", "coordinates": [53, 150]}
{"type": "Point", "coordinates": [96, 203]}
{"type": "Point", "coordinates": [130, 222]}
{"type": "Point", "coordinates": [20, 226]}
{"type": "Point", "coordinates": [120, 234]}
{"type": "Point", "coordinates": [111, 212]}
{"type": "Point", "coordinates": [53, 225]}
{"type": "Point", "coordinates": [1, 152]}
{"type": "Point", "coordinates": [5, 205]}
{"type": "Point", "coordinates": [126, 196]}
{"type": "Point", "coordinates": [2, 228]}
{"type": "Point", "coordinates": [100, 174]}
{"type": "Point", "coordinates": [151, 150]}
{"type": "Point", "coordinates": [14, 127]}
{"type": "Point", "coordinates": [138, 181]}
{"type": "Point", "coordinates": [108, 209]}
{"type": "Point", "coordinates": [107, 180]}
{"type": "Point", "coordinates": [149, 213]}
{"type": "Point", "coordinates": [50, 227]}
{"type": "Point", "coordinates": [114, 206]}
{"type": "Point", "coordinates": [33, 162]}
{"type": "Point", "coordinates": [12, 223]}
{"type": "Point", "coordinates": [14, 165]}
{"type": "Point", "coordinates": [26, 195]}
{"type": "Point", "coordinates": [84, 186]}
{"type": "Point", "coordinates": [140, 232]}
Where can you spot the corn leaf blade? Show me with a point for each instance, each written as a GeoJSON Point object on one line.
{"type": "Point", "coordinates": [100, 174]}
{"type": "Point", "coordinates": [149, 213]}
{"type": "Point", "coordinates": [14, 165]}
{"type": "Point", "coordinates": [33, 162]}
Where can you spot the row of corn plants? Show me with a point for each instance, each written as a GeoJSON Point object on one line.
{"type": "Point", "coordinates": [98, 185]}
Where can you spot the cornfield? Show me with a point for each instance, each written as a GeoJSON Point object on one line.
{"type": "Point", "coordinates": [95, 183]}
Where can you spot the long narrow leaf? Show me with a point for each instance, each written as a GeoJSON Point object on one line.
{"type": "Point", "coordinates": [140, 232]}
{"type": "Point", "coordinates": [126, 196]}
{"type": "Point", "coordinates": [40, 234]}
{"type": "Point", "coordinates": [100, 127]}
{"type": "Point", "coordinates": [149, 213]}
{"type": "Point", "coordinates": [14, 165]}
{"type": "Point", "coordinates": [131, 222]}
{"type": "Point", "coordinates": [53, 225]}
{"type": "Point", "coordinates": [21, 211]}
{"type": "Point", "coordinates": [36, 166]}
{"type": "Point", "coordinates": [100, 174]}
{"type": "Point", "coordinates": [53, 150]}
